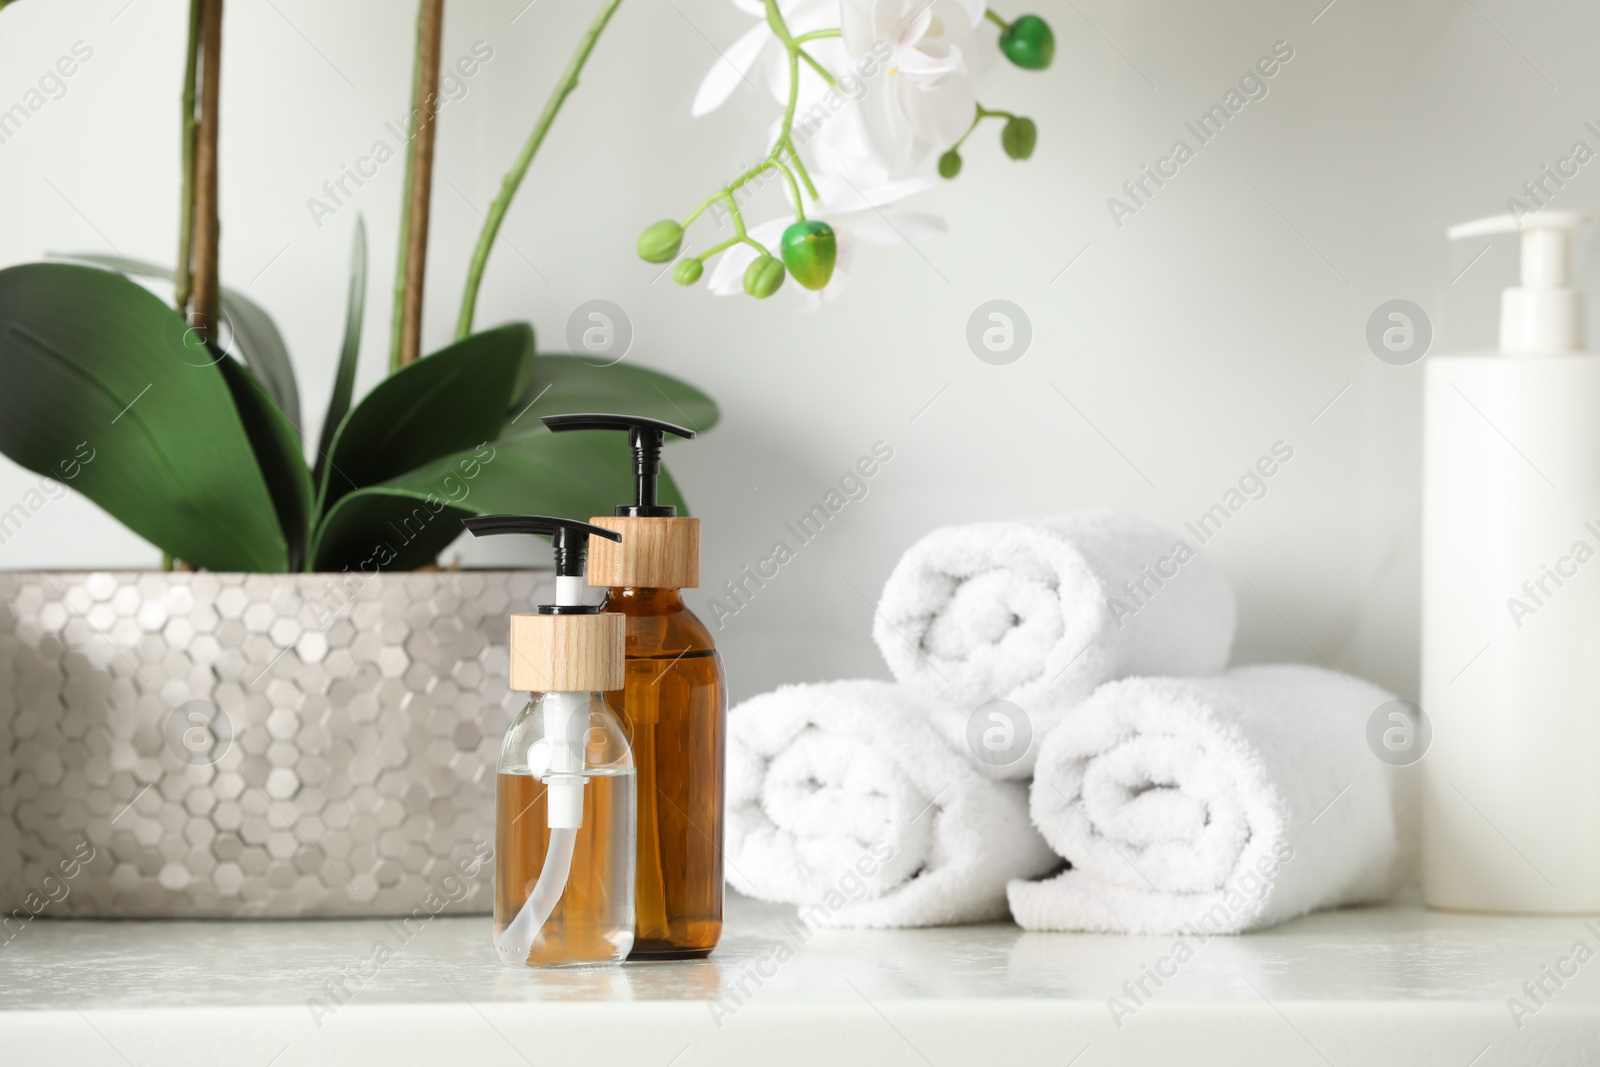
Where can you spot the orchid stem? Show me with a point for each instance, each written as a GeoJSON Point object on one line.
{"type": "Point", "coordinates": [513, 179]}
{"type": "Point", "coordinates": [183, 280]}
{"type": "Point", "coordinates": [979, 115]}
{"type": "Point", "coordinates": [800, 168]}
{"type": "Point", "coordinates": [207, 226]}
{"type": "Point", "coordinates": [419, 187]}
{"type": "Point", "coordinates": [819, 68]}
{"type": "Point", "coordinates": [794, 188]}
{"type": "Point", "coordinates": [398, 317]}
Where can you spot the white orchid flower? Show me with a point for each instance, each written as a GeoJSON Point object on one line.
{"type": "Point", "coordinates": [924, 97]}
{"type": "Point", "coordinates": [757, 58]}
{"type": "Point", "coordinates": [921, 99]}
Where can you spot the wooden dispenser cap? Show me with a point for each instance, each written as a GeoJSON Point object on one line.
{"type": "Point", "coordinates": [657, 552]}
{"type": "Point", "coordinates": [568, 653]}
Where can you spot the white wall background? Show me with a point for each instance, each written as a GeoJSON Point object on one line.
{"type": "Point", "coordinates": [1224, 317]}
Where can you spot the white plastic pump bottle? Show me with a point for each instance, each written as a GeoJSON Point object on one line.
{"type": "Point", "coordinates": [1511, 598]}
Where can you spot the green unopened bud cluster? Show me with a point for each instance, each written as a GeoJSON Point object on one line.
{"type": "Point", "coordinates": [1018, 137]}
{"type": "Point", "coordinates": [808, 251]}
{"type": "Point", "coordinates": [1029, 43]}
{"type": "Point", "coordinates": [763, 277]}
{"type": "Point", "coordinates": [659, 243]}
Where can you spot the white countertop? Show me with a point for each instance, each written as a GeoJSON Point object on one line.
{"type": "Point", "coordinates": [1396, 984]}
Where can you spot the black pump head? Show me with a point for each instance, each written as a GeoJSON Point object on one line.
{"type": "Point", "coordinates": [569, 538]}
{"type": "Point", "coordinates": [646, 437]}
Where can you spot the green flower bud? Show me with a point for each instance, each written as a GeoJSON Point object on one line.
{"type": "Point", "coordinates": [810, 250]}
{"type": "Point", "coordinates": [763, 277]}
{"type": "Point", "coordinates": [688, 271]}
{"type": "Point", "coordinates": [659, 243]}
{"type": "Point", "coordinates": [950, 164]}
{"type": "Point", "coordinates": [1029, 43]}
{"type": "Point", "coordinates": [1018, 138]}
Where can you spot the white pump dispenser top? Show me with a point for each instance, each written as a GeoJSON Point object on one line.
{"type": "Point", "coordinates": [1544, 315]}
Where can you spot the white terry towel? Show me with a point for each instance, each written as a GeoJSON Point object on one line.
{"type": "Point", "coordinates": [1040, 613]}
{"type": "Point", "coordinates": [843, 799]}
{"type": "Point", "coordinates": [1215, 805]}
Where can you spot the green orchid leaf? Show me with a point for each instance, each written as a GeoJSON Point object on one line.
{"type": "Point", "coordinates": [372, 530]}
{"type": "Point", "coordinates": [563, 385]}
{"type": "Point", "coordinates": [276, 445]}
{"type": "Point", "coordinates": [261, 345]}
{"type": "Point", "coordinates": [578, 475]}
{"type": "Point", "coordinates": [344, 379]}
{"type": "Point", "coordinates": [443, 403]}
{"type": "Point", "coordinates": [255, 335]}
{"type": "Point", "coordinates": [94, 367]}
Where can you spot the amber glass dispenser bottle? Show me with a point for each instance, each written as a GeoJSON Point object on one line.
{"type": "Point", "coordinates": [674, 703]}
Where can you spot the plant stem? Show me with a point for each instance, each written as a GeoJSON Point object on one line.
{"type": "Point", "coordinates": [782, 145]}
{"type": "Point", "coordinates": [513, 179]}
{"type": "Point", "coordinates": [978, 116]}
{"type": "Point", "coordinates": [397, 316]}
{"type": "Point", "coordinates": [989, 14]}
{"type": "Point", "coordinates": [206, 223]}
{"type": "Point", "coordinates": [419, 190]}
{"type": "Point", "coordinates": [800, 168]}
{"type": "Point", "coordinates": [822, 71]}
{"type": "Point", "coordinates": [183, 280]}
{"type": "Point", "coordinates": [794, 188]}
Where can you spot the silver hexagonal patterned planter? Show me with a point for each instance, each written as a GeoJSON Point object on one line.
{"type": "Point", "coordinates": [250, 745]}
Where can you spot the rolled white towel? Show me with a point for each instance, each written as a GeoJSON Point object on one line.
{"type": "Point", "coordinates": [1216, 805]}
{"type": "Point", "coordinates": [1041, 613]}
{"type": "Point", "coordinates": [843, 799]}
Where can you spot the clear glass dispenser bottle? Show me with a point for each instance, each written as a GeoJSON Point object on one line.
{"type": "Point", "coordinates": [565, 825]}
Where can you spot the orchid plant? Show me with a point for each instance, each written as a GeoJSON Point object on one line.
{"type": "Point", "coordinates": [869, 90]}
{"type": "Point", "coordinates": [190, 410]}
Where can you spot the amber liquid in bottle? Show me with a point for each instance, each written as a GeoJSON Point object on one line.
{"type": "Point", "coordinates": [583, 928]}
{"type": "Point", "coordinates": [674, 711]}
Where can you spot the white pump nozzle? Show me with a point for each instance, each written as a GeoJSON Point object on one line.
{"type": "Point", "coordinates": [1544, 314]}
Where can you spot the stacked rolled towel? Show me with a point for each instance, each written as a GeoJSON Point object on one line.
{"type": "Point", "coordinates": [842, 796]}
{"type": "Point", "coordinates": [1041, 613]}
{"type": "Point", "coordinates": [1215, 805]}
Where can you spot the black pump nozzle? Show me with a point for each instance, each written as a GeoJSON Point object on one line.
{"type": "Point", "coordinates": [646, 437]}
{"type": "Point", "coordinates": [569, 538]}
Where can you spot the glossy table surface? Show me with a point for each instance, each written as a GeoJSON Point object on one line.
{"type": "Point", "coordinates": [1378, 985]}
